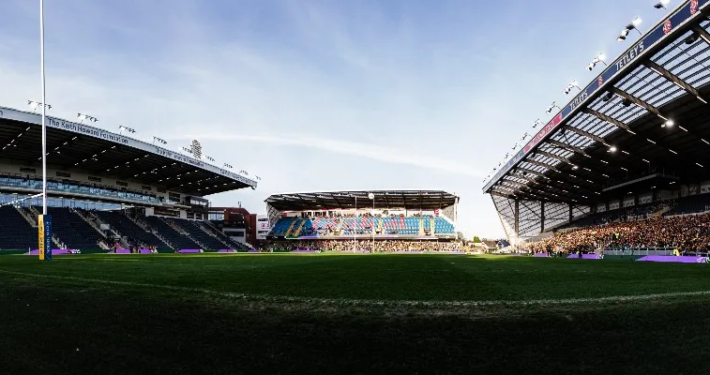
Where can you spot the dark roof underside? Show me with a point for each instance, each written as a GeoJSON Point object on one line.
{"type": "Point", "coordinates": [21, 142]}
{"type": "Point", "coordinates": [575, 165]}
{"type": "Point", "coordinates": [392, 199]}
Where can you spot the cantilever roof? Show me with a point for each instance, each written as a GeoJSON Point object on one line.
{"type": "Point", "coordinates": [664, 75]}
{"type": "Point", "coordinates": [79, 147]}
{"type": "Point", "coordinates": [392, 199]}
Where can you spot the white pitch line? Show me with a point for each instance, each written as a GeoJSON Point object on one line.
{"type": "Point", "coordinates": [370, 302]}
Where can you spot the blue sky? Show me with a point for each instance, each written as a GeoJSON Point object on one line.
{"type": "Point", "coordinates": [319, 95]}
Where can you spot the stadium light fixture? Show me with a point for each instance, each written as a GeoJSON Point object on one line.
{"type": "Point", "coordinates": [572, 85]}
{"type": "Point", "coordinates": [187, 150]}
{"type": "Point", "coordinates": [632, 26]}
{"type": "Point", "coordinates": [662, 4]}
{"type": "Point", "coordinates": [668, 124]}
{"type": "Point", "coordinates": [159, 140]}
{"type": "Point", "coordinates": [227, 166]}
{"type": "Point", "coordinates": [600, 58]}
{"type": "Point", "coordinates": [122, 128]}
{"type": "Point", "coordinates": [612, 149]}
{"type": "Point", "coordinates": [83, 117]}
{"type": "Point", "coordinates": [34, 105]}
{"type": "Point", "coordinates": [537, 123]}
{"type": "Point", "coordinates": [209, 158]}
{"type": "Point", "coordinates": [552, 106]}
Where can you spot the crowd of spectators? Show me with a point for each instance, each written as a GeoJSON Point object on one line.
{"type": "Point", "coordinates": [684, 233]}
{"type": "Point", "coordinates": [379, 246]}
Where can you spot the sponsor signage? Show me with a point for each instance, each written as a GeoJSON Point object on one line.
{"type": "Point", "coordinates": [44, 226]}
{"type": "Point", "coordinates": [87, 130]}
{"type": "Point", "coordinates": [682, 15]}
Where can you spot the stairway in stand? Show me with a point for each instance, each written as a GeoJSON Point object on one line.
{"type": "Point", "coordinates": [290, 228]}
{"type": "Point", "coordinates": [300, 228]}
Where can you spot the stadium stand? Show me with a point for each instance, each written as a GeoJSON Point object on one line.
{"type": "Point", "coordinates": [689, 233]}
{"type": "Point", "coordinates": [73, 231]}
{"type": "Point", "coordinates": [234, 245]}
{"type": "Point", "coordinates": [198, 235]}
{"type": "Point", "coordinates": [125, 227]}
{"type": "Point", "coordinates": [177, 238]}
{"type": "Point", "coordinates": [15, 231]}
{"type": "Point", "coordinates": [93, 174]}
{"type": "Point", "coordinates": [402, 221]}
{"type": "Point", "coordinates": [636, 136]}
{"type": "Point", "coordinates": [691, 205]}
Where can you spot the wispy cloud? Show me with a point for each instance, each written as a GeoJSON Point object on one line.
{"type": "Point", "coordinates": [372, 151]}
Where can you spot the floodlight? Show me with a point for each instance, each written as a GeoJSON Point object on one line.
{"type": "Point", "coordinates": [121, 128]}
{"type": "Point", "coordinates": [537, 122]}
{"type": "Point", "coordinates": [34, 105]}
{"type": "Point", "coordinates": [159, 140]}
{"type": "Point", "coordinates": [572, 85]}
{"type": "Point", "coordinates": [623, 35]}
{"type": "Point", "coordinates": [551, 107]}
{"type": "Point", "coordinates": [668, 123]}
{"type": "Point", "coordinates": [600, 58]}
{"type": "Point", "coordinates": [612, 149]}
{"type": "Point", "coordinates": [632, 26]}
{"type": "Point", "coordinates": [83, 117]}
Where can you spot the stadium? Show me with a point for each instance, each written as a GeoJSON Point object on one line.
{"type": "Point", "coordinates": [606, 212]}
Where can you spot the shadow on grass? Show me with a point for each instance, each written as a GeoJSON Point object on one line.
{"type": "Point", "coordinates": [70, 329]}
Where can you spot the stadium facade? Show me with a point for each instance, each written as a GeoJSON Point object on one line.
{"type": "Point", "coordinates": [635, 139]}
{"type": "Point", "coordinates": [377, 215]}
{"type": "Point", "coordinates": [108, 190]}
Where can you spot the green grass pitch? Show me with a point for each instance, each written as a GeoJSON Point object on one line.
{"type": "Point", "coordinates": [283, 313]}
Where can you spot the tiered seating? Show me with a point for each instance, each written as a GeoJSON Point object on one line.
{"type": "Point", "coordinates": [443, 226]}
{"type": "Point", "coordinates": [73, 231]}
{"type": "Point", "coordinates": [15, 232]}
{"type": "Point", "coordinates": [359, 225]}
{"type": "Point", "coordinates": [691, 205]}
{"type": "Point", "coordinates": [127, 228]}
{"type": "Point", "coordinates": [236, 245]}
{"type": "Point", "coordinates": [175, 238]}
{"type": "Point", "coordinates": [350, 226]}
{"type": "Point", "coordinates": [198, 234]}
{"type": "Point", "coordinates": [282, 226]}
{"type": "Point", "coordinates": [406, 226]}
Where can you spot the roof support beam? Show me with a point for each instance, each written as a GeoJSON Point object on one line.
{"type": "Point", "coordinates": [675, 79]}
{"type": "Point", "coordinates": [704, 35]}
{"type": "Point", "coordinates": [638, 102]}
{"type": "Point", "coordinates": [537, 163]}
{"type": "Point", "coordinates": [553, 156]}
{"type": "Point", "coordinates": [587, 134]}
{"type": "Point", "coordinates": [609, 119]}
{"type": "Point", "coordinates": [568, 147]}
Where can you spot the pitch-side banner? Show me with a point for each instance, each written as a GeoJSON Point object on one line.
{"type": "Point", "coordinates": [87, 130]}
{"type": "Point", "coordinates": [682, 15]}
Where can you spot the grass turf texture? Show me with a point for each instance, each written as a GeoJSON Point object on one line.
{"type": "Point", "coordinates": [346, 314]}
